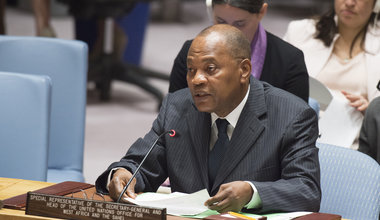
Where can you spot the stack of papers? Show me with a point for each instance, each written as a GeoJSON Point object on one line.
{"type": "Point", "coordinates": [175, 203]}
{"type": "Point", "coordinates": [192, 205]}
{"type": "Point", "coordinates": [340, 124]}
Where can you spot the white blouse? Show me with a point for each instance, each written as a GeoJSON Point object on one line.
{"type": "Point", "coordinates": [349, 75]}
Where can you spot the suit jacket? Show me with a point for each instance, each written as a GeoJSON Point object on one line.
{"type": "Point", "coordinates": [273, 145]}
{"type": "Point", "coordinates": [369, 139]}
{"type": "Point", "coordinates": [284, 67]}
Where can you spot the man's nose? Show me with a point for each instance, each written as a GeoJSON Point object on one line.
{"type": "Point", "coordinates": [350, 3]}
{"type": "Point", "coordinates": [199, 78]}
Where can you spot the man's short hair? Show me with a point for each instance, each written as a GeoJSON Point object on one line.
{"type": "Point", "coordinates": [235, 40]}
{"type": "Point", "coordinates": [252, 6]}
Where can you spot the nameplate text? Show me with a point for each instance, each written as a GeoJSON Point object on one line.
{"type": "Point", "coordinates": [83, 209]}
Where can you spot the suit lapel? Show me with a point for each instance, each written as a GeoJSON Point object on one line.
{"type": "Point", "coordinates": [247, 131]}
{"type": "Point", "coordinates": [199, 125]}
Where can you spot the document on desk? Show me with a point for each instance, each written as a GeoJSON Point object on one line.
{"type": "Point", "coordinates": [175, 203]}
{"type": "Point", "coordinates": [340, 124]}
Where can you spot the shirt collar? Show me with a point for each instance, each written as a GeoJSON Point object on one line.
{"type": "Point", "coordinates": [233, 117]}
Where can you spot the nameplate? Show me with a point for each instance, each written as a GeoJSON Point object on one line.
{"type": "Point", "coordinates": [84, 209]}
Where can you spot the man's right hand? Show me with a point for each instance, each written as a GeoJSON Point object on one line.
{"type": "Point", "coordinates": [120, 179]}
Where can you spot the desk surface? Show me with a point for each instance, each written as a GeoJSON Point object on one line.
{"type": "Point", "coordinates": [13, 187]}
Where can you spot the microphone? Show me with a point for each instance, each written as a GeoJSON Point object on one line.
{"type": "Point", "coordinates": [171, 134]}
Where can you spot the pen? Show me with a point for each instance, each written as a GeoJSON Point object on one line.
{"type": "Point", "coordinates": [241, 216]}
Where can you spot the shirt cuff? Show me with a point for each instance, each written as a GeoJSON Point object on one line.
{"type": "Point", "coordinates": [255, 200]}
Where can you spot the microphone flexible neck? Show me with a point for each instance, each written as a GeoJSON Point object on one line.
{"type": "Point", "coordinates": [172, 134]}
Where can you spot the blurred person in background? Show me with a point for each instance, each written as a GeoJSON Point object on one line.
{"type": "Point", "coordinates": [41, 10]}
{"type": "Point", "coordinates": [342, 50]}
{"type": "Point", "coordinates": [369, 139]}
{"type": "Point", "coordinates": [273, 60]}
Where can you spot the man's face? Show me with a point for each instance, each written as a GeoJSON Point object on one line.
{"type": "Point", "coordinates": [214, 76]}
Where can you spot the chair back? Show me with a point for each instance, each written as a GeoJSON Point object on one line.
{"type": "Point", "coordinates": [319, 92]}
{"type": "Point", "coordinates": [24, 125]}
{"type": "Point", "coordinates": [65, 62]}
{"type": "Point", "coordinates": [314, 105]}
{"type": "Point", "coordinates": [350, 183]}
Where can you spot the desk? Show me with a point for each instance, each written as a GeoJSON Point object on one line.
{"type": "Point", "coordinates": [13, 187]}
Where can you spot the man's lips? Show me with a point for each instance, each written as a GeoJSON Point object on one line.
{"type": "Point", "coordinates": [201, 95]}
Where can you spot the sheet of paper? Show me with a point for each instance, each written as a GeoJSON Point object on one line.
{"type": "Point", "coordinates": [286, 216]}
{"type": "Point", "coordinates": [191, 205]}
{"type": "Point", "coordinates": [212, 212]}
{"type": "Point", "coordinates": [339, 124]}
{"type": "Point", "coordinates": [175, 203]}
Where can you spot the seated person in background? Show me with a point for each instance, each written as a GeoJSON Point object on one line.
{"type": "Point", "coordinates": [369, 139]}
{"type": "Point", "coordinates": [342, 50]}
{"type": "Point", "coordinates": [41, 10]}
{"type": "Point", "coordinates": [273, 60]}
{"type": "Point", "coordinates": [264, 158]}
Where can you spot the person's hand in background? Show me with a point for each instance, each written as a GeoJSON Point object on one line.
{"type": "Point", "coordinates": [357, 101]}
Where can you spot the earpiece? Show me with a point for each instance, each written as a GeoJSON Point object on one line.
{"type": "Point", "coordinates": [376, 8]}
{"type": "Point", "coordinates": [209, 4]}
{"type": "Point", "coordinates": [209, 9]}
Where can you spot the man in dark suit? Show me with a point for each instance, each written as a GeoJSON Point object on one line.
{"type": "Point", "coordinates": [369, 139]}
{"type": "Point", "coordinates": [268, 160]}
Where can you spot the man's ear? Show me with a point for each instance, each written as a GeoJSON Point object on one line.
{"type": "Point", "coordinates": [263, 11]}
{"type": "Point", "coordinates": [245, 68]}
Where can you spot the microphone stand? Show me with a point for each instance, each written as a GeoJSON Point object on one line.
{"type": "Point", "coordinates": [172, 134]}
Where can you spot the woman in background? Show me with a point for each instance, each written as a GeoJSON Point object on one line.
{"type": "Point", "coordinates": [273, 60]}
{"type": "Point", "coordinates": [342, 50]}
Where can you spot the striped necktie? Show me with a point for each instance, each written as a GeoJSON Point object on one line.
{"type": "Point", "coordinates": [216, 154]}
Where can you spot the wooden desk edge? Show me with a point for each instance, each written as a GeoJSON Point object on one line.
{"type": "Point", "coordinates": [22, 186]}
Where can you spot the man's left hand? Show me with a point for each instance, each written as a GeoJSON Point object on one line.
{"type": "Point", "coordinates": [231, 196]}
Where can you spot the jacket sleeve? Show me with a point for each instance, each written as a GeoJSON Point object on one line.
{"type": "Point", "coordinates": [285, 68]}
{"type": "Point", "coordinates": [299, 186]}
{"type": "Point", "coordinates": [369, 140]}
{"type": "Point", "coordinates": [297, 80]}
{"type": "Point", "coordinates": [179, 70]}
